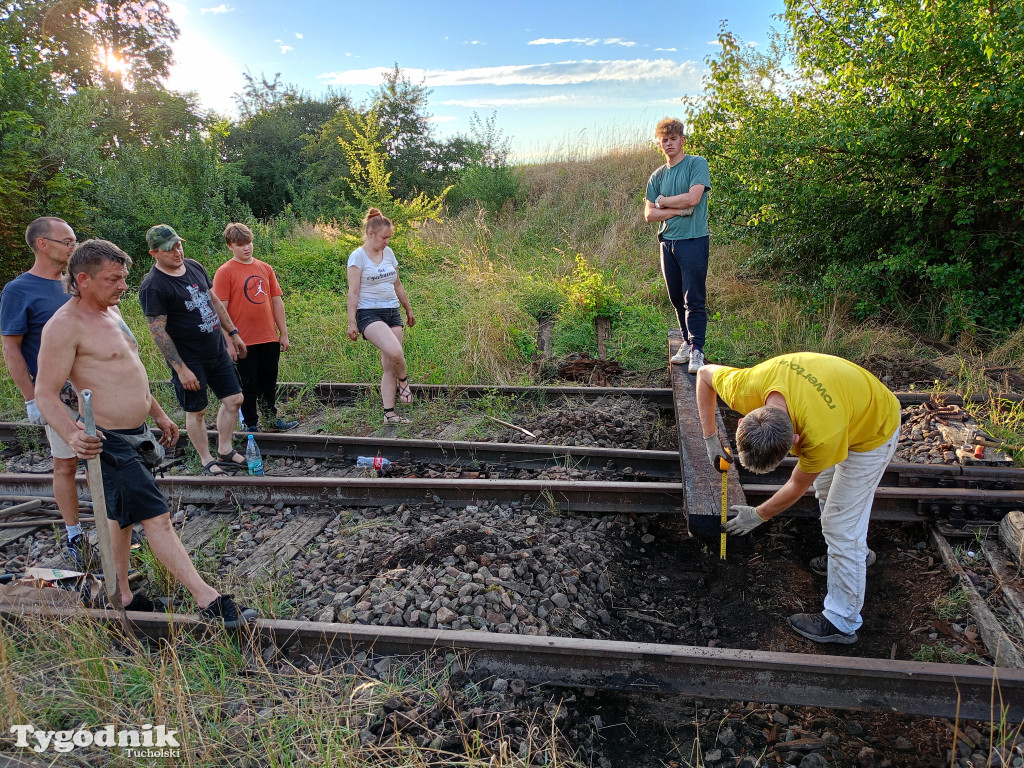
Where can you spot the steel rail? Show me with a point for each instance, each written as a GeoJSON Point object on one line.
{"type": "Point", "coordinates": [879, 685]}
{"type": "Point", "coordinates": [661, 465]}
{"type": "Point", "coordinates": [335, 393]}
{"type": "Point", "coordinates": [890, 502]}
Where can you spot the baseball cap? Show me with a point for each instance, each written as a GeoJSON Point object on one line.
{"type": "Point", "coordinates": [162, 237]}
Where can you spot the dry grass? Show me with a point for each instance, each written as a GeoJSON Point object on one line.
{"type": "Point", "coordinates": [230, 707]}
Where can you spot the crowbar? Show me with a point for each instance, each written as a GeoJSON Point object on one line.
{"type": "Point", "coordinates": [99, 507]}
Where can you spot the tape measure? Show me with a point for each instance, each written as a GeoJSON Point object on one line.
{"type": "Point", "coordinates": [723, 468]}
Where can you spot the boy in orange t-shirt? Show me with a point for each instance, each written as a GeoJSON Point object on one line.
{"type": "Point", "coordinates": [249, 290]}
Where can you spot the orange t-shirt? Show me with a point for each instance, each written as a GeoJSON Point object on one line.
{"type": "Point", "coordinates": [248, 289]}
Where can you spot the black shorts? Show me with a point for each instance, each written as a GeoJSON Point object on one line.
{"type": "Point", "coordinates": [128, 487]}
{"type": "Point", "coordinates": [218, 374]}
{"type": "Point", "coordinates": [390, 315]}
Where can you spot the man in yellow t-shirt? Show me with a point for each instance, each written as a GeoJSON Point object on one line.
{"type": "Point", "coordinates": [842, 424]}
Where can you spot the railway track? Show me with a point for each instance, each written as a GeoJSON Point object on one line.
{"type": "Point", "coordinates": [464, 473]}
{"type": "Point", "coordinates": [633, 482]}
{"type": "Point", "coordinates": [872, 685]}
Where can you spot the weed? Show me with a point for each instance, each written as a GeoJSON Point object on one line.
{"type": "Point", "coordinates": [953, 604]}
{"type": "Point", "coordinates": [943, 654]}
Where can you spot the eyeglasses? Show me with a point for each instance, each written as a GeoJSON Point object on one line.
{"type": "Point", "coordinates": [66, 243]}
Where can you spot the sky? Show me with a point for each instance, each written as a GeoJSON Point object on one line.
{"type": "Point", "coordinates": [561, 78]}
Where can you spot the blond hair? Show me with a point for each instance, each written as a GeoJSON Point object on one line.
{"type": "Point", "coordinates": [375, 221]}
{"type": "Point", "coordinates": [669, 126]}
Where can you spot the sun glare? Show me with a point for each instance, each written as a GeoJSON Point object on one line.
{"type": "Point", "coordinates": [112, 63]}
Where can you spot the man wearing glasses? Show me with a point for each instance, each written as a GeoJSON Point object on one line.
{"type": "Point", "coordinates": [26, 303]}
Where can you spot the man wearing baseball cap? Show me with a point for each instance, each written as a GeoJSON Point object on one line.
{"type": "Point", "coordinates": [196, 336]}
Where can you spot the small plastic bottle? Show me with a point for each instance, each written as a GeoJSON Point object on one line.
{"type": "Point", "coordinates": [373, 462]}
{"type": "Point", "coordinates": [253, 457]}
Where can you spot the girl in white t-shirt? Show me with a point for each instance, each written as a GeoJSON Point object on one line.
{"type": "Point", "coordinates": [374, 295]}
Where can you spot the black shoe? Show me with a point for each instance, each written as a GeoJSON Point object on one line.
{"type": "Point", "coordinates": [223, 610]}
{"type": "Point", "coordinates": [284, 426]}
{"type": "Point", "coordinates": [814, 626]}
{"type": "Point", "coordinates": [79, 553]}
{"type": "Point", "coordinates": [820, 564]}
{"type": "Point", "coordinates": [140, 603]}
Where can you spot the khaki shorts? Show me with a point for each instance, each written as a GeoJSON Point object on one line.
{"type": "Point", "coordinates": [58, 448]}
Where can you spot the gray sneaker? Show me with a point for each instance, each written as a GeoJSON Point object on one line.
{"type": "Point", "coordinates": [820, 564]}
{"type": "Point", "coordinates": [696, 360]}
{"type": "Point", "coordinates": [682, 354]}
{"type": "Point", "coordinates": [814, 626]}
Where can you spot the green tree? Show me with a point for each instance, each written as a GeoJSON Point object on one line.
{"type": "Point", "coordinates": [370, 180]}
{"type": "Point", "coordinates": [279, 121]}
{"type": "Point", "coordinates": [877, 147]}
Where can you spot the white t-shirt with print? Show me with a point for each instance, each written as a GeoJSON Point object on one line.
{"type": "Point", "coordinates": [377, 281]}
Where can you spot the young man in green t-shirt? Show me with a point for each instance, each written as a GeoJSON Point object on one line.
{"type": "Point", "coordinates": [677, 198]}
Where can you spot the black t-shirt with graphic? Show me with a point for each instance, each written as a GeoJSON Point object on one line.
{"type": "Point", "coordinates": [192, 322]}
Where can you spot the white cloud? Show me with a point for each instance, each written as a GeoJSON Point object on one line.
{"type": "Point", "coordinates": [222, 8]}
{"type": "Point", "coordinates": [582, 41]}
{"type": "Point", "coordinates": [442, 119]}
{"type": "Point", "coordinates": [554, 73]}
{"type": "Point", "coordinates": [473, 42]}
{"type": "Point", "coordinates": [286, 48]}
{"type": "Point", "coordinates": [298, 35]}
{"type": "Point", "coordinates": [713, 42]}
{"type": "Point", "coordinates": [670, 50]}
{"type": "Point", "coordinates": [494, 103]}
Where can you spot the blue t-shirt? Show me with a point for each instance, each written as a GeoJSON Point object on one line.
{"type": "Point", "coordinates": [677, 180]}
{"type": "Point", "coordinates": [26, 303]}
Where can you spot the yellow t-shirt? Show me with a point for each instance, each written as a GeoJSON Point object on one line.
{"type": "Point", "coordinates": [836, 406]}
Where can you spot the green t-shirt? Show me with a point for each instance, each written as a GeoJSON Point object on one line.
{"type": "Point", "coordinates": [677, 180]}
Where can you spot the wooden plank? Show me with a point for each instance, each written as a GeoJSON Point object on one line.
{"type": "Point", "coordinates": [702, 485]}
{"type": "Point", "coordinates": [197, 531]}
{"type": "Point", "coordinates": [282, 546]}
{"type": "Point", "coordinates": [1011, 533]}
{"type": "Point", "coordinates": [8, 535]}
{"type": "Point", "coordinates": [998, 643]}
{"type": "Point", "coordinates": [1011, 585]}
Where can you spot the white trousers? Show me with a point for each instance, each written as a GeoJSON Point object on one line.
{"type": "Point", "coordinates": [845, 493]}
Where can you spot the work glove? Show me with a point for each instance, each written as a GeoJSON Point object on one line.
{"type": "Point", "coordinates": [745, 521]}
{"type": "Point", "coordinates": [34, 415]}
{"type": "Point", "coordinates": [715, 450]}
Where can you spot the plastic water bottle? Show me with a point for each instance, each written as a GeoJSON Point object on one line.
{"type": "Point", "coordinates": [253, 457]}
{"type": "Point", "coordinates": [373, 462]}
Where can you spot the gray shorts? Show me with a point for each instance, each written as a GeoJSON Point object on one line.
{"type": "Point", "coordinates": [58, 448]}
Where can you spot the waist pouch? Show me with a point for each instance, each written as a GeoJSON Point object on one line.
{"type": "Point", "coordinates": [145, 444]}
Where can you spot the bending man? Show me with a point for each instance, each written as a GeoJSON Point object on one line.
{"type": "Point", "coordinates": [842, 424]}
{"type": "Point", "coordinates": [87, 342]}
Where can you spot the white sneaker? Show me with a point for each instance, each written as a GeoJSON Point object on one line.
{"type": "Point", "coordinates": [696, 360]}
{"type": "Point", "coordinates": [682, 355]}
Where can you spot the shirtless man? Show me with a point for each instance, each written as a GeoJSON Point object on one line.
{"type": "Point", "coordinates": [87, 342]}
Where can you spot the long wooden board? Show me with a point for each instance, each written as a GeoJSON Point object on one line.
{"type": "Point", "coordinates": [702, 485]}
{"type": "Point", "coordinates": [283, 545]}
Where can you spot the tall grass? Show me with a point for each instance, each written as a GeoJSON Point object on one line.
{"type": "Point", "coordinates": [229, 706]}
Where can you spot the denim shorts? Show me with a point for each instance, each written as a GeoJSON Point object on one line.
{"type": "Point", "coordinates": [390, 315]}
{"type": "Point", "coordinates": [218, 374]}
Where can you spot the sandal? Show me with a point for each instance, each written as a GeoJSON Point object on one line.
{"type": "Point", "coordinates": [390, 417]}
{"type": "Point", "coordinates": [229, 458]}
{"type": "Point", "coordinates": [209, 466]}
{"type": "Point", "coordinates": [404, 390]}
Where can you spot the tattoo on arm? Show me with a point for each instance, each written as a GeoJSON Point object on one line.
{"type": "Point", "coordinates": [158, 330]}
